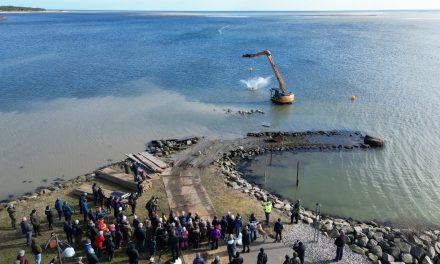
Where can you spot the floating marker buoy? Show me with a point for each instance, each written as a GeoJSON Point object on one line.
{"type": "Point", "coordinates": [251, 69]}
{"type": "Point", "coordinates": [353, 97]}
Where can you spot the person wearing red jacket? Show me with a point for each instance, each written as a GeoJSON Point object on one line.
{"type": "Point", "coordinates": [99, 240]}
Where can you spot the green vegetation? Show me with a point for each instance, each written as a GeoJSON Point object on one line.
{"type": "Point", "coordinates": [20, 9]}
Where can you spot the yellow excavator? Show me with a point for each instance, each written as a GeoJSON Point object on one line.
{"type": "Point", "coordinates": [278, 96]}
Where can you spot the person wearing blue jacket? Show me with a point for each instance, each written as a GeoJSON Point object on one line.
{"type": "Point", "coordinates": [67, 210]}
{"type": "Point", "coordinates": [84, 205]}
{"type": "Point", "coordinates": [59, 207]}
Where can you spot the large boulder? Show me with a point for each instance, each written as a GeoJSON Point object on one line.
{"type": "Point", "coordinates": [395, 252]}
{"type": "Point", "coordinates": [373, 141]}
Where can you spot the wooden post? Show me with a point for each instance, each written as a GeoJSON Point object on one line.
{"type": "Point", "coordinates": [297, 173]}
{"type": "Point", "coordinates": [270, 161]}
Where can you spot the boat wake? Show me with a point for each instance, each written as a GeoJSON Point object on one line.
{"type": "Point", "coordinates": [256, 83]}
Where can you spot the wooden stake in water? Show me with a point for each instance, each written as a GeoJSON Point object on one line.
{"type": "Point", "coordinates": [297, 174]}
{"type": "Point", "coordinates": [270, 161]}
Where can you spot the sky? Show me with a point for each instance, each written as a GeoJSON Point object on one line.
{"type": "Point", "coordinates": [227, 5]}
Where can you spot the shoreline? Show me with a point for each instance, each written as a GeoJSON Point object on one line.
{"type": "Point", "coordinates": [177, 15]}
{"type": "Point", "coordinates": [374, 241]}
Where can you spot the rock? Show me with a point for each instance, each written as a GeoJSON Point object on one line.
{"type": "Point", "coordinates": [287, 207]}
{"type": "Point", "coordinates": [395, 252]}
{"type": "Point", "coordinates": [387, 257]}
{"type": "Point", "coordinates": [45, 191]}
{"type": "Point", "coordinates": [308, 220]}
{"type": "Point", "coordinates": [417, 241]}
{"type": "Point", "coordinates": [437, 247]}
{"type": "Point", "coordinates": [357, 230]}
{"type": "Point", "coordinates": [234, 185]}
{"type": "Point", "coordinates": [427, 260]}
{"type": "Point", "coordinates": [357, 250]}
{"type": "Point", "coordinates": [371, 243]}
{"type": "Point", "coordinates": [377, 250]}
{"type": "Point", "coordinates": [378, 236]}
{"type": "Point", "coordinates": [426, 239]}
{"type": "Point", "coordinates": [406, 258]}
{"type": "Point", "coordinates": [362, 241]}
{"type": "Point", "coordinates": [278, 205]}
{"type": "Point", "coordinates": [418, 252]}
{"type": "Point", "coordinates": [372, 257]}
{"type": "Point", "coordinates": [430, 252]}
{"type": "Point", "coordinates": [373, 141]}
{"type": "Point", "coordinates": [403, 246]}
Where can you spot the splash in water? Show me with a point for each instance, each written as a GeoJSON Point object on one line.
{"type": "Point", "coordinates": [225, 28]}
{"type": "Point", "coordinates": [256, 83]}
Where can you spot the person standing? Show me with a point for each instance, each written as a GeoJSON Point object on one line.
{"type": "Point", "coordinates": [133, 255]}
{"type": "Point", "coordinates": [95, 193]}
{"type": "Point", "coordinates": [295, 212]}
{"type": "Point", "coordinates": [173, 243]}
{"type": "Point", "coordinates": [67, 211]}
{"type": "Point", "coordinates": [59, 207]}
{"type": "Point", "coordinates": [288, 260]}
{"type": "Point", "coordinates": [35, 221]}
{"type": "Point", "coordinates": [11, 212]}
{"type": "Point", "coordinates": [215, 235]}
{"type": "Point", "coordinates": [140, 236]}
{"type": "Point", "coordinates": [99, 240]}
{"type": "Point", "coordinates": [110, 247]}
{"type": "Point", "coordinates": [101, 196]}
{"type": "Point", "coordinates": [267, 207]}
{"type": "Point", "coordinates": [237, 259]}
{"type": "Point", "coordinates": [49, 217]}
{"type": "Point", "coordinates": [246, 239]}
{"type": "Point", "coordinates": [21, 258]}
{"type": "Point", "coordinates": [340, 242]}
{"type": "Point", "coordinates": [295, 259]}
{"type": "Point", "coordinates": [26, 229]}
{"type": "Point", "coordinates": [300, 249]}
{"type": "Point", "coordinates": [77, 232]}
{"type": "Point", "coordinates": [198, 259]}
{"type": "Point", "coordinates": [36, 250]}
{"type": "Point", "coordinates": [262, 257]}
{"type": "Point", "coordinates": [132, 201]}
{"type": "Point", "coordinates": [91, 257]}
{"type": "Point", "coordinates": [253, 223]}
{"type": "Point", "coordinates": [231, 247]}
{"type": "Point", "coordinates": [67, 227]}
{"type": "Point", "coordinates": [84, 205]}
{"type": "Point", "coordinates": [278, 228]}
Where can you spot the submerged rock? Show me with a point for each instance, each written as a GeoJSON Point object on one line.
{"type": "Point", "coordinates": [373, 141]}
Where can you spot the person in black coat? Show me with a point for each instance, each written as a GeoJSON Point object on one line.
{"type": "Point", "coordinates": [69, 231]}
{"type": "Point", "coordinates": [237, 259]}
{"type": "Point", "coordinates": [246, 238]}
{"type": "Point", "coordinates": [340, 242]}
{"type": "Point", "coordinates": [173, 243]}
{"type": "Point", "coordinates": [278, 228]}
{"type": "Point", "coordinates": [140, 236]}
{"type": "Point", "coordinates": [91, 257]}
{"type": "Point", "coordinates": [300, 249]}
{"type": "Point", "coordinates": [110, 247]}
{"type": "Point", "coordinates": [49, 217]}
{"type": "Point", "coordinates": [133, 255]}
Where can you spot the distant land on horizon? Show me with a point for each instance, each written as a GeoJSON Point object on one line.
{"type": "Point", "coordinates": [21, 9]}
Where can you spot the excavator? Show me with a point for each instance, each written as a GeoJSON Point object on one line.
{"type": "Point", "coordinates": [278, 96]}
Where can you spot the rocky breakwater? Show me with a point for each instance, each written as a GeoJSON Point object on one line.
{"type": "Point", "coordinates": [167, 147]}
{"type": "Point", "coordinates": [376, 242]}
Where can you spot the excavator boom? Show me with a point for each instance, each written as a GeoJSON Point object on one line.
{"type": "Point", "coordinates": [274, 68]}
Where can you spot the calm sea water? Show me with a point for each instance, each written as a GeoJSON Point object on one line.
{"type": "Point", "coordinates": [79, 90]}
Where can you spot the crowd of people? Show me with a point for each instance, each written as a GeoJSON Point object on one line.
{"type": "Point", "coordinates": [107, 229]}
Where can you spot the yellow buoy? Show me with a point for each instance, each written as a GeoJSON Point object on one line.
{"type": "Point", "coordinates": [353, 97]}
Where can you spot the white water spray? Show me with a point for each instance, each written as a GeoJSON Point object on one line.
{"type": "Point", "coordinates": [256, 83]}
